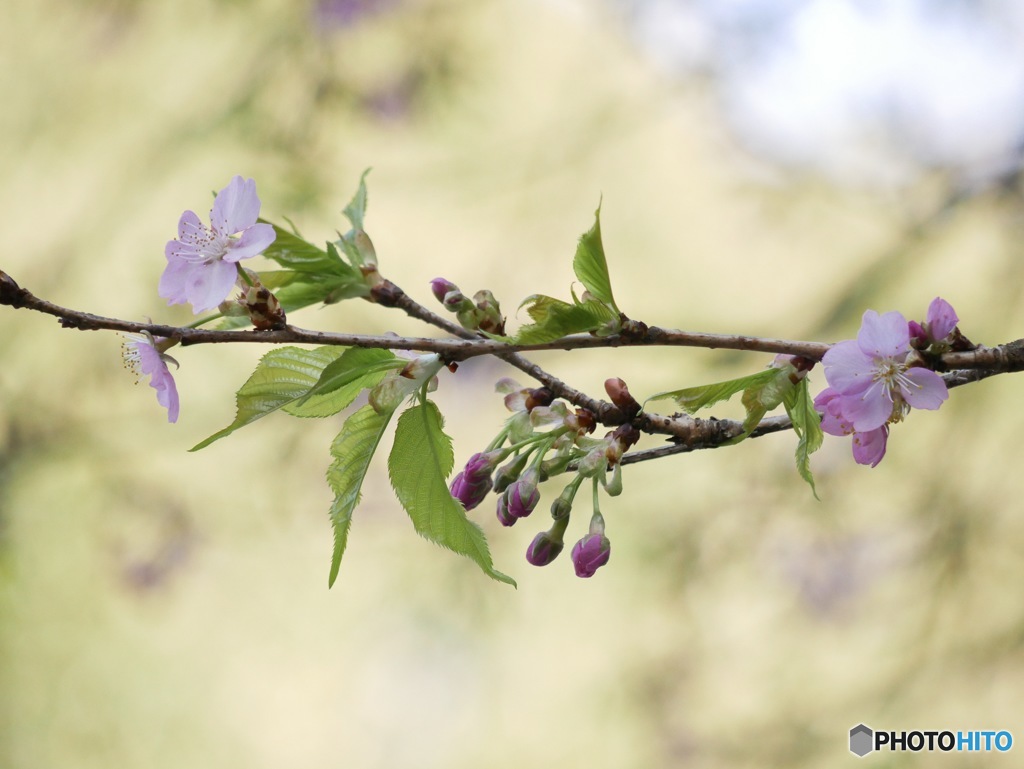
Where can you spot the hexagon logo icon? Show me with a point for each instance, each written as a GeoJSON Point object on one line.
{"type": "Point", "coordinates": [861, 740]}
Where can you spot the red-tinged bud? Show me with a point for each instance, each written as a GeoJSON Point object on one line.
{"type": "Point", "coordinates": [544, 549]}
{"type": "Point", "coordinates": [620, 396]}
{"type": "Point", "coordinates": [918, 336]}
{"type": "Point", "coordinates": [538, 396]}
{"type": "Point", "coordinates": [586, 420]}
{"type": "Point", "coordinates": [506, 518]}
{"type": "Point", "coordinates": [468, 493]}
{"type": "Point", "coordinates": [523, 495]}
{"type": "Point", "coordinates": [440, 288]}
{"type": "Point", "coordinates": [590, 554]}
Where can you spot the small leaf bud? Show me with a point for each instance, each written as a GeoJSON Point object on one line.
{"type": "Point", "coordinates": [620, 396]}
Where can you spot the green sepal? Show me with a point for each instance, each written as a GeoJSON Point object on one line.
{"type": "Point", "coordinates": [591, 266]}
{"type": "Point", "coordinates": [420, 461]}
{"type": "Point", "coordinates": [281, 377]}
{"type": "Point", "coordinates": [807, 425]}
{"type": "Point", "coordinates": [352, 449]}
{"type": "Point", "coordinates": [356, 370]}
{"type": "Point", "coordinates": [554, 319]}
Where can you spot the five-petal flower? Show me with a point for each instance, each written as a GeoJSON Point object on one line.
{"type": "Point", "coordinates": [201, 263]}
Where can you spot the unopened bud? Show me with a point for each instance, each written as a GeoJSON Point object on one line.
{"type": "Point", "coordinates": [548, 544]}
{"type": "Point", "coordinates": [440, 288]}
{"type": "Point", "coordinates": [523, 495]}
{"type": "Point", "coordinates": [620, 396]}
{"type": "Point", "coordinates": [506, 474]}
{"type": "Point", "coordinates": [488, 315]}
{"type": "Point", "coordinates": [590, 554]}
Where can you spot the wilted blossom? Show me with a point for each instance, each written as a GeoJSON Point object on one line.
{"type": "Point", "coordinates": [870, 375]}
{"type": "Point", "coordinates": [591, 553]}
{"type": "Point", "coordinates": [144, 355]}
{"type": "Point", "coordinates": [201, 263]}
{"type": "Point", "coordinates": [868, 447]}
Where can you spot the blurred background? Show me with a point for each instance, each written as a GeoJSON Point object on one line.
{"type": "Point", "coordinates": [770, 168]}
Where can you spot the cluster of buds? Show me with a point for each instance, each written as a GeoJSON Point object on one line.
{"type": "Point", "coordinates": [482, 312]}
{"type": "Point", "coordinates": [545, 439]}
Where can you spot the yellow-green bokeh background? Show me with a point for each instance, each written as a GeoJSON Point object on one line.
{"type": "Point", "coordinates": [166, 609]}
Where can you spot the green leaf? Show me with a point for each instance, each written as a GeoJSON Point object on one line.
{"type": "Point", "coordinates": [282, 376]}
{"type": "Point", "coordinates": [554, 319]}
{"type": "Point", "coordinates": [807, 425]}
{"type": "Point", "coordinates": [356, 370]}
{"type": "Point", "coordinates": [352, 449]}
{"type": "Point", "coordinates": [355, 211]}
{"type": "Point", "coordinates": [294, 253]}
{"type": "Point", "coordinates": [761, 398]}
{"type": "Point", "coordinates": [590, 264]}
{"type": "Point", "coordinates": [420, 462]}
{"type": "Point", "coordinates": [692, 399]}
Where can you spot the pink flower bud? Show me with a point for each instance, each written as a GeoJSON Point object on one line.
{"type": "Point", "coordinates": [591, 553]}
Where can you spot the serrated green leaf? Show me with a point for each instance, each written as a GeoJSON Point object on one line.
{"type": "Point", "coordinates": [761, 398]}
{"type": "Point", "coordinates": [419, 464]}
{"type": "Point", "coordinates": [294, 253]}
{"type": "Point", "coordinates": [807, 425]}
{"type": "Point", "coordinates": [356, 370]}
{"type": "Point", "coordinates": [355, 211]}
{"type": "Point", "coordinates": [352, 449]}
{"type": "Point", "coordinates": [692, 399]}
{"type": "Point", "coordinates": [554, 319]}
{"type": "Point", "coordinates": [590, 264]}
{"type": "Point", "coordinates": [353, 371]}
{"type": "Point", "coordinates": [281, 377]}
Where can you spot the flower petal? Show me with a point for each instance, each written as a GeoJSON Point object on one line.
{"type": "Point", "coordinates": [869, 447]}
{"type": "Point", "coordinates": [236, 207]}
{"type": "Point", "coordinates": [884, 336]}
{"type": "Point", "coordinates": [832, 421]}
{"type": "Point", "coordinates": [210, 284]}
{"type": "Point", "coordinates": [174, 280]}
{"type": "Point", "coordinates": [254, 240]}
{"type": "Point", "coordinates": [941, 318]}
{"type": "Point", "coordinates": [847, 368]}
{"type": "Point", "coordinates": [927, 389]}
{"type": "Point", "coordinates": [867, 410]}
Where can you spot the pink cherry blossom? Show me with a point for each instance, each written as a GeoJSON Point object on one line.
{"type": "Point", "coordinates": [142, 354]}
{"type": "Point", "coordinates": [868, 447]}
{"type": "Point", "coordinates": [201, 263]}
{"type": "Point", "coordinates": [871, 376]}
